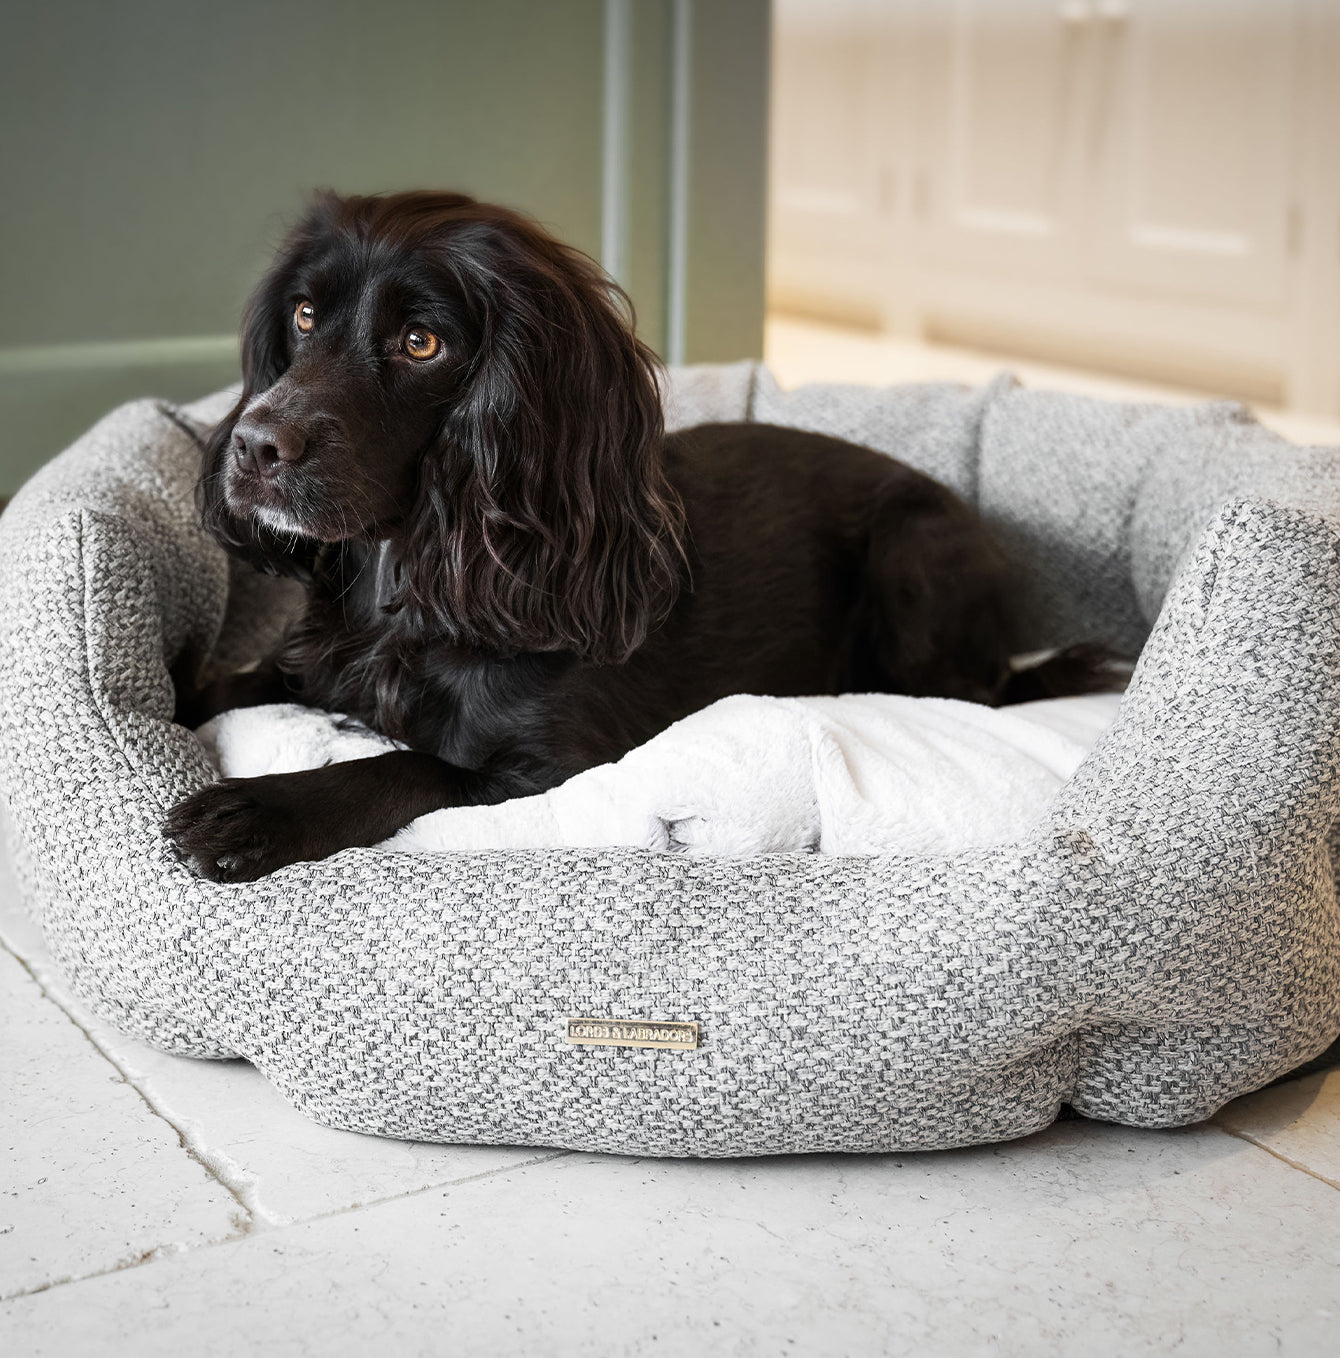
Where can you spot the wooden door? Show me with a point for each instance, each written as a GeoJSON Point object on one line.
{"type": "Point", "coordinates": [830, 188]}
{"type": "Point", "coordinates": [1005, 114]}
{"type": "Point", "coordinates": [1195, 146]}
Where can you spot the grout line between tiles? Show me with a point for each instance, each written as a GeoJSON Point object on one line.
{"type": "Point", "coordinates": [257, 1217]}
{"type": "Point", "coordinates": [167, 1251]}
{"type": "Point", "coordinates": [146, 1257]}
{"type": "Point", "coordinates": [233, 1191]}
{"type": "Point", "coordinates": [542, 1159]}
{"type": "Point", "coordinates": [1284, 1159]}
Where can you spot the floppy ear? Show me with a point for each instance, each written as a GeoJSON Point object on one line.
{"type": "Point", "coordinates": [544, 521]}
{"type": "Point", "coordinates": [265, 358]}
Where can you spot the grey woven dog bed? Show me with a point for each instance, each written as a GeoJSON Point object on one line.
{"type": "Point", "coordinates": [1166, 940]}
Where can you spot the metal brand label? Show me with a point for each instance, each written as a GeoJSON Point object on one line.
{"type": "Point", "coordinates": [594, 1032]}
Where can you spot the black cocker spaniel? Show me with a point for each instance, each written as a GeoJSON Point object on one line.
{"type": "Point", "coordinates": [449, 430]}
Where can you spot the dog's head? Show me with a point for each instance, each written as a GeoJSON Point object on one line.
{"type": "Point", "coordinates": [441, 375]}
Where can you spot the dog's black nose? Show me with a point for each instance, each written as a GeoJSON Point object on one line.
{"type": "Point", "coordinates": [266, 445]}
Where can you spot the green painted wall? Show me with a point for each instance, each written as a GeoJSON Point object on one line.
{"type": "Point", "coordinates": [727, 189]}
{"type": "Point", "coordinates": [152, 151]}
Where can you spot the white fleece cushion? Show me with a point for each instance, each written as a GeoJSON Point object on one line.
{"type": "Point", "coordinates": [857, 774]}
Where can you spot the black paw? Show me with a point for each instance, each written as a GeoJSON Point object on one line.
{"type": "Point", "coordinates": [239, 829]}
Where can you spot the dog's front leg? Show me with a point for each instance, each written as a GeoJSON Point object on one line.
{"type": "Point", "coordinates": [243, 828]}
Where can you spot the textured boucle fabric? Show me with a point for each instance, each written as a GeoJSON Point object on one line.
{"type": "Point", "coordinates": [1167, 939]}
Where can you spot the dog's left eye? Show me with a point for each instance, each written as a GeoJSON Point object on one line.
{"type": "Point", "coordinates": [421, 344]}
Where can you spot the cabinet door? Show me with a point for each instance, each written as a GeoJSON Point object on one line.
{"type": "Point", "coordinates": [1005, 117]}
{"type": "Point", "coordinates": [1194, 140]}
{"type": "Point", "coordinates": [829, 190]}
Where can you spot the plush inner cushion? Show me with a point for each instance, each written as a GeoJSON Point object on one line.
{"type": "Point", "coordinates": [855, 774]}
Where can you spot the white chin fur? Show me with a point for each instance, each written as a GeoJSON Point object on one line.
{"type": "Point", "coordinates": [278, 520]}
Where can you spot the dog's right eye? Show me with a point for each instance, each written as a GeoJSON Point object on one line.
{"type": "Point", "coordinates": [421, 344]}
{"type": "Point", "coordinates": [304, 316]}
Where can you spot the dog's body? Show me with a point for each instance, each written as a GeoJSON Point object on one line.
{"type": "Point", "coordinates": [782, 526]}
{"type": "Point", "coordinates": [510, 569]}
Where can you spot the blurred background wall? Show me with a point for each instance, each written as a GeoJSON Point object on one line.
{"type": "Point", "coordinates": [1141, 187]}
{"type": "Point", "coordinates": [1148, 188]}
{"type": "Point", "coordinates": [152, 152]}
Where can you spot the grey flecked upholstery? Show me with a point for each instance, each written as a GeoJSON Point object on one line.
{"type": "Point", "coordinates": [1166, 940]}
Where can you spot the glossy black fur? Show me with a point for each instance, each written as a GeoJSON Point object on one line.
{"type": "Point", "coordinates": [511, 568]}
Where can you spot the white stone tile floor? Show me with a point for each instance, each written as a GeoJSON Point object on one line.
{"type": "Point", "coordinates": [151, 1204]}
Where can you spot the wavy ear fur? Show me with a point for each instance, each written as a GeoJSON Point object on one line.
{"type": "Point", "coordinates": [544, 521]}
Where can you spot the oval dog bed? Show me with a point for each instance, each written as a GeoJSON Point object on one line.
{"type": "Point", "coordinates": [1166, 939]}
